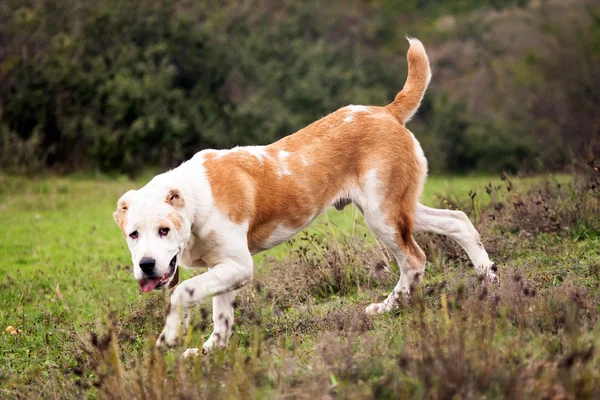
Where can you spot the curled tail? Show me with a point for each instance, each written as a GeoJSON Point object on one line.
{"type": "Point", "coordinates": [408, 100]}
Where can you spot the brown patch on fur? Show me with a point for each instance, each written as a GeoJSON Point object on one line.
{"type": "Point", "coordinates": [300, 175]}
{"type": "Point", "coordinates": [175, 199]}
{"type": "Point", "coordinates": [231, 183]}
{"type": "Point", "coordinates": [249, 189]}
{"type": "Point", "coordinates": [120, 215]}
{"type": "Point", "coordinates": [176, 220]}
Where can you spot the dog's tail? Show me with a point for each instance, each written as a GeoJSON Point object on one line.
{"type": "Point", "coordinates": [407, 102]}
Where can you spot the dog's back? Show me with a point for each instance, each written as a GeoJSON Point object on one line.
{"type": "Point", "coordinates": [280, 188]}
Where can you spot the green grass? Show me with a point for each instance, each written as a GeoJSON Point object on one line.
{"type": "Point", "coordinates": [64, 266]}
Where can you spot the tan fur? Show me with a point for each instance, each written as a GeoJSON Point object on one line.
{"type": "Point", "coordinates": [326, 158]}
{"type": "Point", "coordinates": [174, 199]}
{"type": "Point", "coordinates": [339, 153]}
{"type": "Point", "coordinates": [174, 219]}
{"type": "Point", "coordinates": [419, 74]}
{"type": "Point", "coordinates": [120, 216]}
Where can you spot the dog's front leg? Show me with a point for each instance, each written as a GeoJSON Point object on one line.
{"type": "Point", "coordinates": [223, 278]}
{"type": "Point", "coordinates": [222, 320]}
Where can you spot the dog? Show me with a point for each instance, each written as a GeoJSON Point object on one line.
{"type": "Point", "coordinates": [222, 206]}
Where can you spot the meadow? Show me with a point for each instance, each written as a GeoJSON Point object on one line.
{"type": "Point", "coordinates": [84, 330]}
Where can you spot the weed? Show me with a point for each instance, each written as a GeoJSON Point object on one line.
{"type": "Point", "coordinates": [300, 328]}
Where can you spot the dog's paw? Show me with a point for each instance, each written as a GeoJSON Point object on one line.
{"type": "Point", "coordinates": [175, 326]}
{"type": "Point", "coordinates": [491, 274]}
{"type": "Point", "coordinates": [488, 273]}
{"type": "Point", "coordinates": [167, 339]}
{"type": "Point", "coordinates": [375, 308]}
{"type": "Point", "coordinates": [492, 278]}
{"type": "Point", "coordinates": [215, 340]}
{"type": "Point", "coordinates": [192, 352]}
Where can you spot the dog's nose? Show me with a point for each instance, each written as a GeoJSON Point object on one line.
{"type": "Point", "coordinates": [147, 264]}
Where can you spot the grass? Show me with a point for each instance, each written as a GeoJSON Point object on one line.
{"type": "Point", "coordinates": [86, 331]}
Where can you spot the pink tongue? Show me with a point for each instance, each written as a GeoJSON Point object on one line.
{"type": "Point", "coordinates": [148, 284]}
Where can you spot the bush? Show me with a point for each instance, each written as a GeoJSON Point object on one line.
{"type": "Point", "coordinates": [121, 86]}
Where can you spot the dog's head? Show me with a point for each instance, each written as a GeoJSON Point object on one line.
{"type": "Point", "coordinates": [156, 229]}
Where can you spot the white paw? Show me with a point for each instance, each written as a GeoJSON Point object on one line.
{"type": "Point", "coordinates": [491, 274]}
{"type": "Point", "coordinates": [492, 277]}
{"type": "Point", "coordinates": [190, 353]}
{"type": "Point", "coordinates": [171, 332]}
{"type": "Point", "coordinates": [215, 340]}
{"type": "Point", "coordinates": [175, 326]}
{"type": "Point", "coordinates": [375, 308]}
{"type": "Point", "coordinates": [208, 345]}
{"type": "Point", "coordinates": [168, 338]}
{"type": "Point", "coordinates": [206, 348]}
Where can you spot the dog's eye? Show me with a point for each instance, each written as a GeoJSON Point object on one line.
{"type": "Point", "coordinates": [133, 235]}
{"type": "Point", "coordinates": [163, 231]}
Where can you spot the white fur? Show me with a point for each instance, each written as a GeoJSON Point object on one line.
{"type": "Point", "coordinates": [356, 109]}
{"type": "Point", "coordinates": [257, 151]}
{"type": "Point", "coordinates": [283, 234]}
{"type": "Point", "coordinates": [283, 165]}
{"type": "Point", "coordinates": [280, 235]}
{"type": "Point", "coordinates": [231, 268]}
{"type": "Point", "coordinates": [375, 218]}
{"type": "Point", "coordinates": [370, 199]}
{"type": "Point", "coordinates": [456, 225]}
{"type": "Point", "coordinates": [353, 110]}
{"type": "Point", "coordinates": [422, 160]}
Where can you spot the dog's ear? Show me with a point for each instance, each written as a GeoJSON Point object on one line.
{"type": "Point", "coordinates": [175, 199]}
{"type": "Point", "coordinates": [120, 215]}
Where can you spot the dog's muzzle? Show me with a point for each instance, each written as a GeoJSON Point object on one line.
{"type": "Point", "coordinates": [150, 283]}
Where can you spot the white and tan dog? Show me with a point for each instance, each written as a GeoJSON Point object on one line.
{"type": "Point", "coordinates": [223, 206]}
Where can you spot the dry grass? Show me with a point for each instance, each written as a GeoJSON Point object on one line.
{"type": "Point", "coordinates": [301, 332]}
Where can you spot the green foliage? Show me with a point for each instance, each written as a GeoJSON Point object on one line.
{"type": "Point", "coordinates": [121, 86]}
{"type": "Point", "coordinates": [145, 82]}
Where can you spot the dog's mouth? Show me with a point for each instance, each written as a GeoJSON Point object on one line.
{"type": "Point", "coordinates": [149, 284]}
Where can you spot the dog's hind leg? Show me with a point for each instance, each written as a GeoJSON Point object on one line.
{"type": "Point", "coordinates": [409, 256]}
{"type": "Point", "coordinates": [411, 261]}
{"type": "Point", "coordinates": [457, 226]}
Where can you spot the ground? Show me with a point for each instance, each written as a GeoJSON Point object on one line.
{"type": "Point", "coordinates": [83, 329]}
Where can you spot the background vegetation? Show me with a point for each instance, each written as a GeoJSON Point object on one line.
{"type": "Point", "coordinates": [120, 85]}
